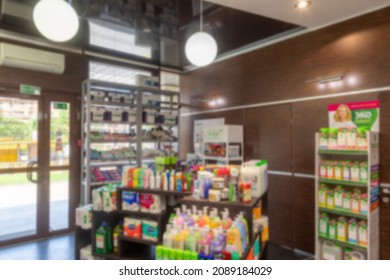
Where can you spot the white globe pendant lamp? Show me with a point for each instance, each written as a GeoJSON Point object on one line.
{"type": "Point", "coordinates": [56, 20]}
{"type": "Point", "coordinates": [201, 48]}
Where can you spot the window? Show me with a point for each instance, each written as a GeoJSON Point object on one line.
{"type": "Point", "coordinates": [115, 74]}
{"type": "Point", "coordinates": [116, 37]}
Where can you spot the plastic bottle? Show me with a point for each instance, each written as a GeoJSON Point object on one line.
{"type": "Point", "coordinates": [205, 216]}
{"type": "Point", "coordinates": [179, 180]}
{"type": "Point", "coordinates": [215, 221]}
{"type": "Point", "coordinates": [204, 245]}
{"type": "Point", "coordinates": [226, 220]}
{"type": "Point", "coordinates": [216, 247]}
{"type": "Point", "coordinates": [172, 185]}
{"type": "Point", "coordinates": [109, 238]}
{"type": "Point", "coordinates": [167, 237]}
{"type": "Point", "coordinates": [100, 237]}
{"type": "Point", "coordinates": [166, 181]}
{"type": "Point", "coordinates": [232, 192]}
{"type": "Point", "coordinates": [158, 181]}
{"type": "Point", "coordinates": [118, 231]}
{"type": "Point", "coordinates": [179, 220]}
{"type": "Point", "coordinates": [152, 181]}
{"type": "Point", "coordinates": [159, 252]}
{"type": "Point", "coordinates": [191, 241]}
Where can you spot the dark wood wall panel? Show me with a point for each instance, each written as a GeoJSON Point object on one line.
{"type": "Point", "coordinates": [303, 193]}
{"type": "Point", "coordinates": [385, 137]}
{"type": "Point", "coordinates": [308, 118]}
{"type": "Point", "coordinates": [279, 210]}
{"type": "Point", "coordinates": [267, 135]}
{"type": "Point", "coordinates": [356, 47]}
{"type": "Point", "coordinates": [385, 225]}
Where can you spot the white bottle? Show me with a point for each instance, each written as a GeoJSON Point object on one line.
{"type": "Point", "coordinates": [158, 181]}
{"type": "Point", "coordinates": [172, 181]}
{"type": "Point", "coordinates": [166, 183]}
{"type": "Point", "coordinates": [152, 183]}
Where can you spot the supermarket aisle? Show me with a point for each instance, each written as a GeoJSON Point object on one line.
{"type": "Point", "coordinates": [55, 248]}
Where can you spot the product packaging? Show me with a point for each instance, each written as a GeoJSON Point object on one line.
{"type": "Point", "coordinates": [355, 204]}
{"type": "Point", "coordinates": [363, 172]}
{"type": "Point", "coordinates": [214, 195]}
{"type": "Point", "coordinates": [330, 199]}
{"type": "Point", "coordinates": [130, 201]}
{"type": "Point", "coordinates": [330, 251]}
{"type": "Point", "coordinates": [333, 134]}
{"type": "Point", "coordinates": [149, 230]}
{"type": "Point", "coordinates": [352, 139]}
{"type": "Point", "coordinates": [342, 229]}
{"type": "Point", "coordinates": [323, 169]}
{"type": "Point", "coordinates": [362, 139]}
{"type": "Point", "coordinates": [342, 138]}
{"type": "Point", "coordinates": [330, 170]}
{"type": "Point", "coordinates": [355, 255]}
{"type": "Point", "coordinates": [323, 195]}
{"type": "Point", "coordinates": [84, 216]}
{"type": "Point", "coordinates": [132, 227]}
{"type": "Point", "coordinates": [347, 201]}
{"type": "Point", "coordinates": [346, 170]}
{"type": "Point", "coordinates": [352, 231]}
{"type": "Point", "coordinates": [338, 197]}
{"type": "Point", "coordinates": [151, 203]}
{"type": "Point", "coordinates": [109, 198]}
{"type": "Point", "coordinates": [338, 171]}
{"type": "Point", "coordinates": [324, 225]}
{"type": "Point", "coordinates": [364, 203]}
{"type": "Point", "coordinates": [362, 233]}
{"type": "Point", "coordinates": [333, 229]}
{"type": "Point", "coordinates": [324, 138]}
{"type": "Point", "coordinates": [355, 171]}
{"type": "Point", "coordinates": [97, 199]}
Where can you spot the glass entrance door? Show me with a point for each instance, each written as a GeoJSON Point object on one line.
{"type": "Point", "coordinates": [37, 143]}
{"type": "Point", "coordinates": [18, 167]}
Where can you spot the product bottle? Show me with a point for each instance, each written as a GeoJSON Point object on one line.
{"type": "Point", "coordinates": [191, 241]}
{"type": "Point", "coordinates": [152, 182]}
{"type": "Point", "coordinates": [166, 181]}
{"type": "Point", "coordinates": [109, 238]}
{"type": "Point", "coordinates": [118, 231]}
{"type": "Point", "coordinates": [216, 247]}
{"type": "Point", "coordinates": [172, 185]}
{"type": "Point", "coordinates": [159, 252]}
{"type": "Point", "coordinates": [179, 186]}
{"type": "Point", "coordinates": [226, 221]}
{"type": "Point", "coordinates": [167, 237]}
{"type": "Point", "coordinates": [100, 237]}
{"type": "Point", "coordinates": [232, 192]}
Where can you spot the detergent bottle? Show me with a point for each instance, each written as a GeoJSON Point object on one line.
{"type": "Point", "coordinates": [118, 231]}
{"type": "Point", "coordinates": [233, 239]}
{"type": "Point", "coordinates": [167, 237]}
{"type": "Point", "coordinates": [191, 241]}
{"type": "Point", "coordinates": [226, 220]}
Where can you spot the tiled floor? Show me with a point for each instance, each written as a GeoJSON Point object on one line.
{"type": "Point", "coordinates": [62, 248]}
{"type": "Point", "coordinates": [55, 248]}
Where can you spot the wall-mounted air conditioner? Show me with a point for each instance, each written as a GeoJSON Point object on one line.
{"type": "Point", "coordinates": [32, 59]}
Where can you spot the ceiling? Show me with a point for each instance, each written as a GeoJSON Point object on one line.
{"type": "Point", "coordinates": [320, 13]}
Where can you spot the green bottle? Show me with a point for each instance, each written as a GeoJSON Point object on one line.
{"type": "Point", "coordinates": [235, 256]}
{"type": "Point", "coordinates": [164, 253]}
{"type": "Point", "coordinates": [159, 252]}
{"type": "Point", "coordinates": [109, 238]}
{"type": "Point", "coordinates": [101, 239]}
{"type": "Point", "coordinates": [187, 255]}
{"type": "Point", "coordinates": [232, 192]}
{"type": "Point", "coordinates": [179, 255]}
{"type": "Point", "coordinates": [118, 231]}
{"type": "Point", "coordinates": [171, 254]}
{"type": "Point", "coordinates": [194, 256]}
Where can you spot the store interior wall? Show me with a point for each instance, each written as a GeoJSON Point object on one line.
{"type": "Point", "coordinates": [284, 133]}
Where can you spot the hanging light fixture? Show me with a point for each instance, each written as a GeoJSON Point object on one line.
{"type": "Point", "coordinates": [56, 20]}
{"type": "Point", "coordinates": [201, 48]}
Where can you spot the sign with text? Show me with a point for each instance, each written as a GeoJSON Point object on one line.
{"type": "Point", "coordinates": [355, 115]}
{"type": "Point", "coordinates": [31, 90]}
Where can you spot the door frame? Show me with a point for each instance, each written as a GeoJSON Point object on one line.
{"type": "Point", "coordinates": [43, 169]}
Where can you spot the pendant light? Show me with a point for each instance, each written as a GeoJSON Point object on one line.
{"type": "Point", "coordinates": [56, 20]}
{"type": "Point", "coordinates": [201, 48]}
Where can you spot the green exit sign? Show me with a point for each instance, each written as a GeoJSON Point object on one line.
{"type": "Point", "coordinates": [60, 106]}
{"type": "Point", "coordinates": [31, 90]}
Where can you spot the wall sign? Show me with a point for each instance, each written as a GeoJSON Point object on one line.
{"type": "Point", "coordinates": [355, 115]}
{"type": "Point", "coordinates": [31, 90]}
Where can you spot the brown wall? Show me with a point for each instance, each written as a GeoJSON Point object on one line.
{"type": "Point", "coordinates": [284, 134]}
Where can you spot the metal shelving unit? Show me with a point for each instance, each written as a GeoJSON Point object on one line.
{"type": "Point", "coordinates": [371, 187]}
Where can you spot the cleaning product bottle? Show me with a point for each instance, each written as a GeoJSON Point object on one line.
{"type": "Point", "coordinates": [204, 244]}
{"type": "Point", "coordinates": [191, 241]}
{"type": "Point", "coordinates": [232, 192]}
{"type": "Point", "coordinates": [172, 181]}
{"type": "Point", "coordinates": [166, 181]}
{"type": "Point", "coordinates": [101, 237]}
{"type": "Point", "coordinates": [205, 216]}
{"type": "Point", "coordinates": [159, 252]}
{"type": "Point", "coordinates": [109, 237]}
{"type": "Point", "coordinates": [233, 239]}
{"type": "Point", "coordinates": [226, 220]}
{"type": "Point", "coordinates": [179, 220]}
{"type": "Point", "coordinates": [152, 181]}
{"type": "Point", "coordinates": [167, 237]}
{"type": "Point", "coordinates": [179, 185]}
{"type": "Point", "coordinates": [216, 247]}
{"type": "Point", "coordinates": [118, 231]}
{"type": "Point", "coordinates": [158, 181]}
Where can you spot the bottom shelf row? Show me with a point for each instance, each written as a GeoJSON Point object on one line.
{"type": "Point", "coordinates": [338, 250]}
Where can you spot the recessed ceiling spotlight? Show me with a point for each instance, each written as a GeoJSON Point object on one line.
{"type": "Point", "coordinates": [302, 4]}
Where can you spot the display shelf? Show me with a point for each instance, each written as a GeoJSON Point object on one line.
{"type": "Point", "coordinates": [344, 244]}
{"type": "Point", "coordinates": [154, 191]}
{"type": "Point", "coordinates": [113, 141]}
{"type": "Point", "coordinates": [205, 202]}
{"type": "Point", "coordinates": [159, 108]}
{"type": "Point", "coordinates": [343, 152]}
{"type": "Point", "coordinates": [343, 213]}
{"type": "Point", "coordinates": [138, 240]}
{"type": "Point", "coordinates": [223, 158]}
{"type": "Point", "coordinates": [111, 123]}
{"type": "Point", "coordinates": [342, 182]}
{"type": "Point", "coordinates": [156, 90]}
{"type": "Point", "coordinates": [104, 183]}
{"type": "Point", "coordinates": [158, 141]}
{"type": "Point", "coordinates": [370, 188]}
{"type": "Point", "coordinates": [111, 163]}
{"type": "Point", "coordinates": [159, 124]}
{"type": "Point", "coordinates": [141, 214]}
{"type": "Point", "coordinates": [111, 104]}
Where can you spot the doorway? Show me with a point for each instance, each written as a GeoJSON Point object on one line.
{"type": "Point", "coordinates": [38, 170]}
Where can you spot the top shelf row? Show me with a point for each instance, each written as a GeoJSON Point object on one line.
{"type": "Point", "coordinates": [343, 152]}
